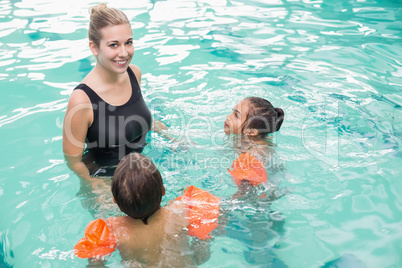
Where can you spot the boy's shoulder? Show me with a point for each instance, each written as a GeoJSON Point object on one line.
{"type": "Point", "coordinates": [175, 214]}
{"type": "Point", "coordinates": [118, 224]}
{"type": "Point", "coordinates": [177, 211]}
{"type": "Point", "coordinates": [112, 222]}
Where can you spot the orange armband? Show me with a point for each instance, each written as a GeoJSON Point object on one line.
{"type": "Point", "coordinates": [98, 241]}
{"type": "Point", "coordinates": [203, 211]}
{"type": "Point", "coordinates": [247, 167]}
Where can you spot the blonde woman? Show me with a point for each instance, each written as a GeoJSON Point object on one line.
{"type": "Point", "coordinates": [106, 117]}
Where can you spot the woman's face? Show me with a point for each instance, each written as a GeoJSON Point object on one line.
{"type": "Point", "coordinates": [116, 48]}
{"type": "Point", "coordinates": [234, 121]}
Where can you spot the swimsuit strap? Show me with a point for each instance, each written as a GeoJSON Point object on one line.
{"type": "Point", "coordinates": [131, 74]}
{"type": "Point", "coordinates": [93, 97]}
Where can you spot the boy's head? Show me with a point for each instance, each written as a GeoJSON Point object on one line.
{"type": "Point", "coordinates": [137, 186]}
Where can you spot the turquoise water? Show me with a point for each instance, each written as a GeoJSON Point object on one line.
{"type": "Point", "coordinates": [335, 67]}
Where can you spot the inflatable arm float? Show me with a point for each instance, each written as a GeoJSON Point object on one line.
{"type": "Point", "coordinates": [98, 241]}
{"type": "Point", "coordinates": [247, 167]}
{"type": "Point", "coordinates": [203, 211]}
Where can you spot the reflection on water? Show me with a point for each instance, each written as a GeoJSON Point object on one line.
{"type": "Point", "coordinates": [6, 254]}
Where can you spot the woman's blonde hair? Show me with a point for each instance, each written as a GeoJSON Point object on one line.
{"type": "Point", "coordinates": [102, 16]}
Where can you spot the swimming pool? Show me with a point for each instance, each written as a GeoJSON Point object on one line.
{"type": "Point", "coordinates": [335, 67]}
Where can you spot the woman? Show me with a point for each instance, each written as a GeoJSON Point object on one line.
{"type": "Point", "coordinates": [106, 111]}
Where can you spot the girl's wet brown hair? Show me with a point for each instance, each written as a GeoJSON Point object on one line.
{"type": "Point", "coordinates": [103, 16]}
{"type": "Point", "coordinates": [263, 116]}
{"type": "Point", "coordinates": [137, 186]}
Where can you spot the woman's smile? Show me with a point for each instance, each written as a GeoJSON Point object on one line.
{"type": "Point", "coordinates": [121, 63]}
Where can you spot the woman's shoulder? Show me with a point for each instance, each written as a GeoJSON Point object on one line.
{"type": "Point", "coordinates": [135, 68]}
{"type": "Point", "coordinates": [78, 97]}
{"type": "Point", "coordinates": [137, 72]}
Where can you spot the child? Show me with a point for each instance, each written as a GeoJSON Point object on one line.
{"type": "Point", "coordinates": [150, 234]}
{"type": "Point", "coordinates": [253, 119]}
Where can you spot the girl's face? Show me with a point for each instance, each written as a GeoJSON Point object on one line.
{"type": "Point", "coordinates": [234, 122]}
{"type": "Point", "coordinates": [116, 48]}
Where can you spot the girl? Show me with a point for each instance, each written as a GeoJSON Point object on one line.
{"type": "Point", "coordinates": [253, 119]}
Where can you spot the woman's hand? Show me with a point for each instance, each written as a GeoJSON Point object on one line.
{"type": "Point", "coordinates": [162, 129]}
{"type": "Point", "coordinates": [74, 162]}
{"type": "Point", "coordinates": [159, 127]}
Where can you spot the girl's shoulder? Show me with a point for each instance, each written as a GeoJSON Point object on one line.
{"type": "Point", "coordinates": [261, 149]}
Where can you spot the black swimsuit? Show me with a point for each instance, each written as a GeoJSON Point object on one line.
{"type": "Point", "coordinates": [116, 130]}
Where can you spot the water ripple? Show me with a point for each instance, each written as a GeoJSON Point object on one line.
{"type": "Point", "coordinates": [40, 108]}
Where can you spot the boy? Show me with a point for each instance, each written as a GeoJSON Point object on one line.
{"type": "Point", "coordinates": [152, 235]}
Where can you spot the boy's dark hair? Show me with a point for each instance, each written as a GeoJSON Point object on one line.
{"type": "Point", "coordinates": [137, 186]}
{"type": "Point", "coordinates": [263, 117]}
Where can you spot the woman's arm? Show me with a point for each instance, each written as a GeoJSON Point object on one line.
{"type": "Point", "coordinates": [161, 129]}
{"type": "Point", "coordinates": [77, 119]}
